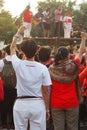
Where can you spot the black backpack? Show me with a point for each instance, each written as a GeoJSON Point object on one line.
{"type": "Point", "coordinates": [8, 75]}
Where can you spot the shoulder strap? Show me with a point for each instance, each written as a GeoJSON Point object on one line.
{"type": "Point", "coordinates": [5, 61]}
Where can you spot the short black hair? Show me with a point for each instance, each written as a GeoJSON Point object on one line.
{"type": "Point", "coordinates": [44, 53]}
{"type": "Point", "coordinates": [61, 54]}
{"type": "Point", "coordinates": [29, 47]}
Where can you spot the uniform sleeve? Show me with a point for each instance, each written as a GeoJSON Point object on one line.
{"type": "Point", "coordinates": [15, 61]}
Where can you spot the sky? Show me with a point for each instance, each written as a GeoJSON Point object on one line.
{"type": "Point", "coordinates": [16, 7]}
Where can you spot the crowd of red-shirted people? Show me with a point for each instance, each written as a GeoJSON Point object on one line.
{"type": "Point", "coordinates": [51, 88]}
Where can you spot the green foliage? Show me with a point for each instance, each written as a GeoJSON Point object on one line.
{"type": "Point", "coordinates": [80, 15]}
{"type": "Point", "coordinates": [7, 27]}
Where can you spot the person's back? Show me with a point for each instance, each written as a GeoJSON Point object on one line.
{"type": "Point", "coordinates": [64, 73]}
{"type": "Point", "coordinates": [32, 91]}
{"type": "Point", "coordinates": [29, 73]}
{"type": "Point", "coordinates": [64, 100]}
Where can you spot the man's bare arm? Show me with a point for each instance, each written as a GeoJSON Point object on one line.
{"type": "Point", "coordinates": [82, 48]}
{"type": "Point", "coordinates": [45, 94]}
{"type": "Point", "coordinates": [14, 41]}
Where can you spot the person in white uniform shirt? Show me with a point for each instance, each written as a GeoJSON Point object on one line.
{"type": "Point", "coordinates": [67, 25]}
{"type": "Point", "coordinates": [33, 80]}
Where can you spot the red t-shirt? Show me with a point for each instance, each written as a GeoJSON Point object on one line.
{"type": "Point", "coordinates": [64, 95]}
{"type": "Point", "coordinates": [83, 79]}
{"type": "Point", "coordinates": [69, 20]}
{"type": "Point", "coordinates": [85, 86]}
{"type": "Point", "coordinates": [83, 75]}
{"type": "Point", "coordinates": [27, 15]}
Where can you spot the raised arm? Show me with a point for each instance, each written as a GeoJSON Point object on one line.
{"type": "Point", "coordinates": [82, 48]}
{"type": "Point", "coordinates": [14, 41]}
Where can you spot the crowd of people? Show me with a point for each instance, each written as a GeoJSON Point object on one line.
{"type": "Point", "coordinates": [42, 21]}
{"type": "Point", "coordinates": [47, 86]}
{"type": "Point", "coordinates": [51, 83]}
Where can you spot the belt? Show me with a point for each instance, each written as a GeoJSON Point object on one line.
{"type": "Point", "coordinates": [21, 97]}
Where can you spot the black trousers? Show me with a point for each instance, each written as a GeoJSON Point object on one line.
{"type": "Point", "coordinates": [59, 29]}
{"type": "Point", "coordinates": [7, 105]}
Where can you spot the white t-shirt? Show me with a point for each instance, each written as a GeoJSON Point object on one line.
{"type": "Point", "coordinates": [68, 21]}
{"type": "Point", "coordinates": [46, 15]}
{"type": "Point", "coordinates": [31, 75]}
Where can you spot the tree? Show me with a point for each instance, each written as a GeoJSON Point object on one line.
{"type": "Point", "coordinates": [81, 14]}
{"type": "Point", "coordinates": [1, 3]}
{"type": "Point", "coordinates": [7, 26]}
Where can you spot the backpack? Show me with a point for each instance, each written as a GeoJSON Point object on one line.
{"type": "Point", "coordinates": [8, 75]}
